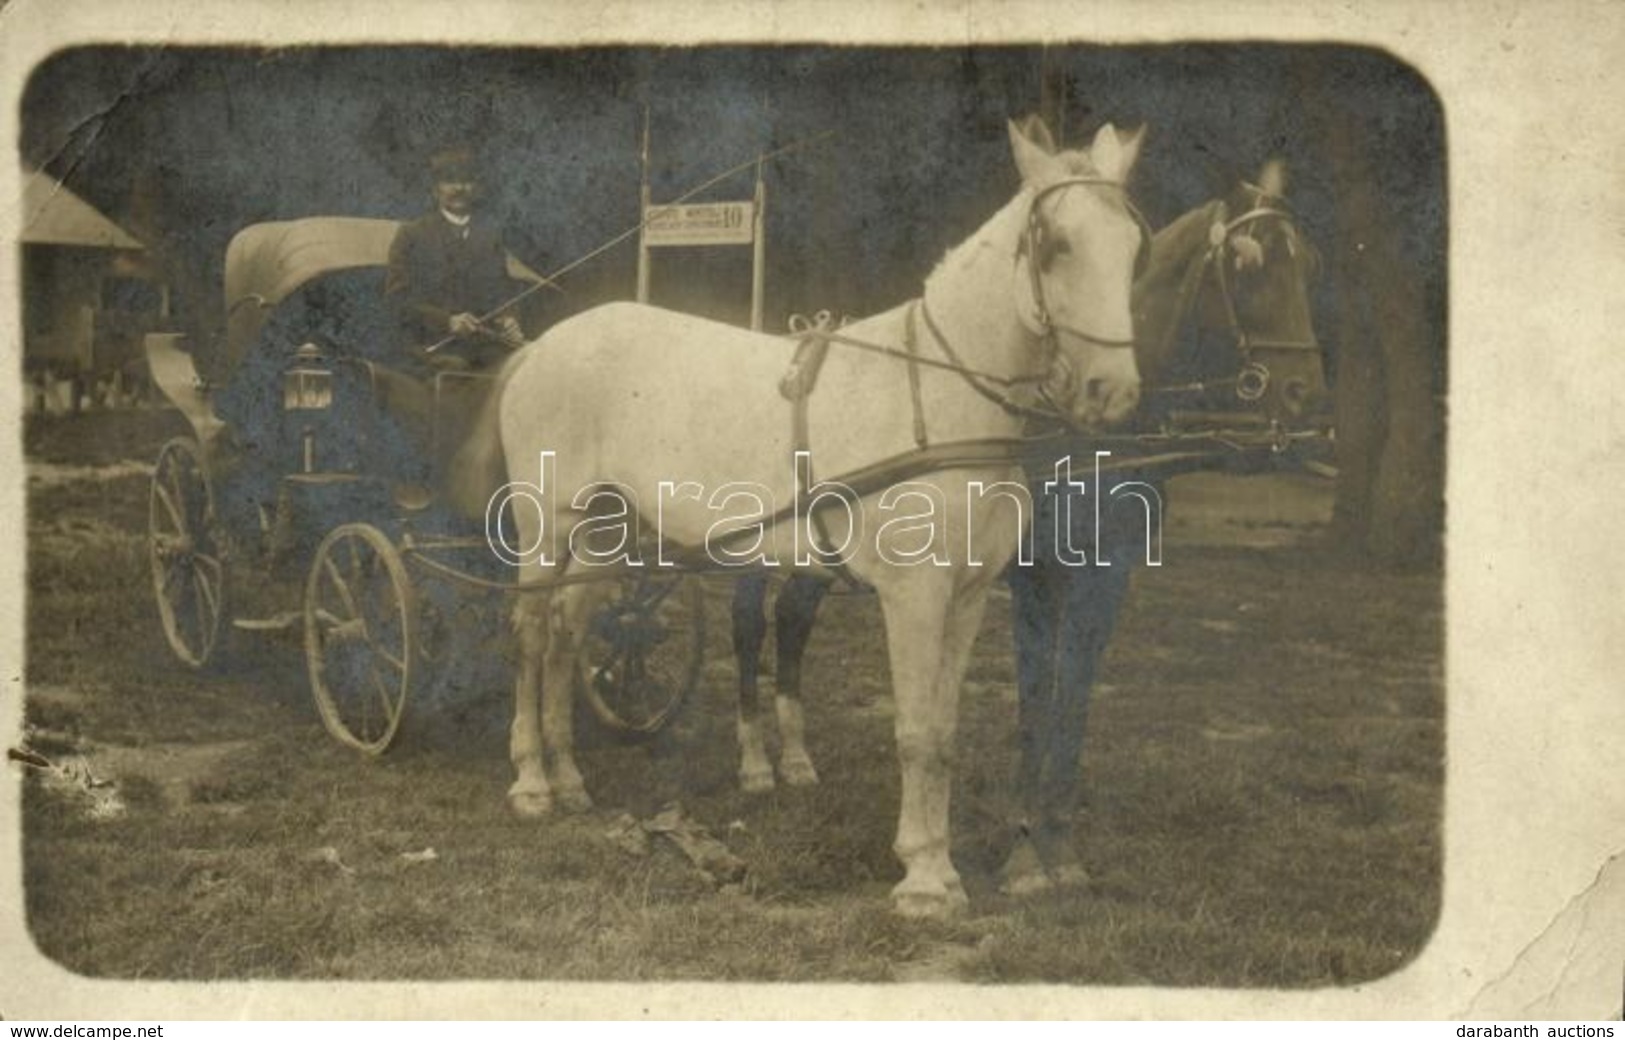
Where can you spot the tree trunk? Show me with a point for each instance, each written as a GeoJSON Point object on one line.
{"type": "Point", "coordinates": [1390, 443]}
{"type": "Point", "coordinates": [1361, 414]}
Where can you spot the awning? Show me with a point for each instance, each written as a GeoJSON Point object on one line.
{"type": "Point", "coordinates": [54, 215]}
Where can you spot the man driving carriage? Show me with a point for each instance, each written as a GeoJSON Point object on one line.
{"type": "Point", "coordinates": [448, 278]}
{"type": "Point", "coordinates": [449, 287]}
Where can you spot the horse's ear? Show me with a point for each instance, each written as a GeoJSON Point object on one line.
{"type": "Point", "coordinates": [1131, 150]}
{"type": "Point", "coordinates": [1272, 178]}
{"type": "Point", "coordinates": [1114, 154]}
{"type": "Point", "coordinates": [1032, 157]}
{"type": "Point", "coordinates": [1037, 132]}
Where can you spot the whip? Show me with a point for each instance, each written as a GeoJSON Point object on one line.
{"type": "Point", "coordinates": [549, 279]}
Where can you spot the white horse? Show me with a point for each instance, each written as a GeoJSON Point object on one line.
{"type": "Point", "coordinates": [672, 413]}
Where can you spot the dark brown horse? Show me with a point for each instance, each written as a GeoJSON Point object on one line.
{"type": "Point", "coordinates": [1223, 331]}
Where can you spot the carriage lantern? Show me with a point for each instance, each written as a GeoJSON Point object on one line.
{"type": "Point", "coordinates": [308, 383]}
{"type": "Point", "coordinates": [308, 386]}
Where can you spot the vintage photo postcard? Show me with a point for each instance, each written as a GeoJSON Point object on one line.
{"type": "Point", "coordinates": [811, 510]}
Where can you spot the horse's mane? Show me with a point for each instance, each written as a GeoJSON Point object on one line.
{"type": "Point", "coordinates": [1164, 294]}
{"type": "Point", "coordinates": [1074, 163]}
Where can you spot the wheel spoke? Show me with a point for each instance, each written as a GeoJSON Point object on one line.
{"type": "Point", "coordinates": [397, 663]}
{"type": "Point", "coordinates": [328, 618]}
{"type": "Point", "coordinates": [360, 650]}
{"type": "Point", "coordinates": [386, 698]}
{"type": "Point", "coordinates": [658, 593]}
{"type": "Point", "coordinates": [190, 585]}
{"type": "Point", "coordinates": [343, 589]}
{"type": "Point", "coordinates": [205, 614]}
{"type": "Point", "coordinates": [207, 588]}
{"type": "Point", "coordinates": [179, 491]}
{"type": "Point", "coordinates": [357, 572]}
{"type": "Point", "coordinates": [170, 506]}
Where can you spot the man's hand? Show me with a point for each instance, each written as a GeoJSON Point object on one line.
{"type": "Point", "coordinates": [508, 330]}
{"type": "Point", "coordinates": [464, 324]}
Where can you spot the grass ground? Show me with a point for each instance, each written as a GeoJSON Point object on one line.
{"type": "Point", "coordinates": [1264, 782]}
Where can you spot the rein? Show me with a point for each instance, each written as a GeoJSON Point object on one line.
{"type": "Point", "coordinates": [1251, 382]}
{"type": "Point", "coordinates": [994, 387]}
{"type": "Point", "coordinates": [979, 381]}
{"type": "Point", "coordinates": [953, 365]}
{"type": "Point", "coordinates": [990, 385]}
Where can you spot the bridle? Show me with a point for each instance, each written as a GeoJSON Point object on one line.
{"type": "Point", "coordinates": [995, 387]}
{"type": "Point", "coordinates": [1254, 377]}
{"type": "Point", "coordinates": [1033, 247]}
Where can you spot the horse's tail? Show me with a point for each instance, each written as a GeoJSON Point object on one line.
{"type": "Point", "coordinates": [479, 468]}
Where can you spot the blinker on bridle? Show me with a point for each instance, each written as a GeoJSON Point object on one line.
{"type": "Point", "coordinates": [1253, 380]}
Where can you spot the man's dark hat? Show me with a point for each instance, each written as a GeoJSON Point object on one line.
{"type": "Point", "coordinates": [453, 164]}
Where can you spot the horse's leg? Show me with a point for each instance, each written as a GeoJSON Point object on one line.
{"type": "Point", "coordinates": [1090, 601]}
{"type": "Point", "coordinates": [572, 610]}
{"type": "Point", "coordinates": [530, 794]}
{"type": "Point", "coordinates": [917, 611]}
{"type": "Point", "coordinates": [1034, 604]}
{"type": "Point", "coordinates": [959, 636]}
{"type": "Point", "coordinates": [794, 612]}
{"type": "Point", "coordinates": [749, 632]}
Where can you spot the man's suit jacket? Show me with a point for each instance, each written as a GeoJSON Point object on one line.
{"type": "Point", "coordinates": [437, 270]}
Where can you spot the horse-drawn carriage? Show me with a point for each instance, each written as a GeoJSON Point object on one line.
{"type": "Point", "coordinates": [932, 401]}
{"type": "Point", "coordinates": [297, 503]}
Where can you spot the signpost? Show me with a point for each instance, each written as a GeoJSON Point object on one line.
{"type": "Point", "coordinates": [704, 224]}
{"type": "Point", "coordinates": [700, 224]}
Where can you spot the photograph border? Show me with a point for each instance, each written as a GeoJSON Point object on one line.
{"type": "Point", "coordinates": [1534, 884]}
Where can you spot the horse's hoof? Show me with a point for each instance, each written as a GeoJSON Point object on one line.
{"type": "Point", "coordinates": [1024, 872]}
{"type": "Point", "coordinates": [573, 800]}
{"type": "Point", "coordinates": [754, 781]}
{"type": "Point", "coordinates": [1071, 875]}
{"type": "Point", "coordinates": [930, 906]}
{"type": "Point", "coordinates": [1019, 885]}
{"type": "Point", "coordinates": [798, 772]}
{"type": "Point", "coordinates": [530, 804]}
{"type": "Point", "coordinates": [1059, 854]}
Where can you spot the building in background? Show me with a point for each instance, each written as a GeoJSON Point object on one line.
{"type": "Point", "coordinates": [90, 294]}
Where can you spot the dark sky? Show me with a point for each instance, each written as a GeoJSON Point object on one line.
{"type": "Point", "coordinates": [188, 145]}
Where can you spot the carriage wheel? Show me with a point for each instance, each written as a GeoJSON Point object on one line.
{"type": "Point", "coordinates": [360, 636]}
{"type": "Point", "coordinates": [643, 653]}
{"type": "Point", "coordinates": [187, 552]}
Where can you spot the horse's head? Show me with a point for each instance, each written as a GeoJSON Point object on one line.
{"type": "Point", "coordinates": [1075, 269]}
{"type": "Point", "coordinates": [1262, 268]}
